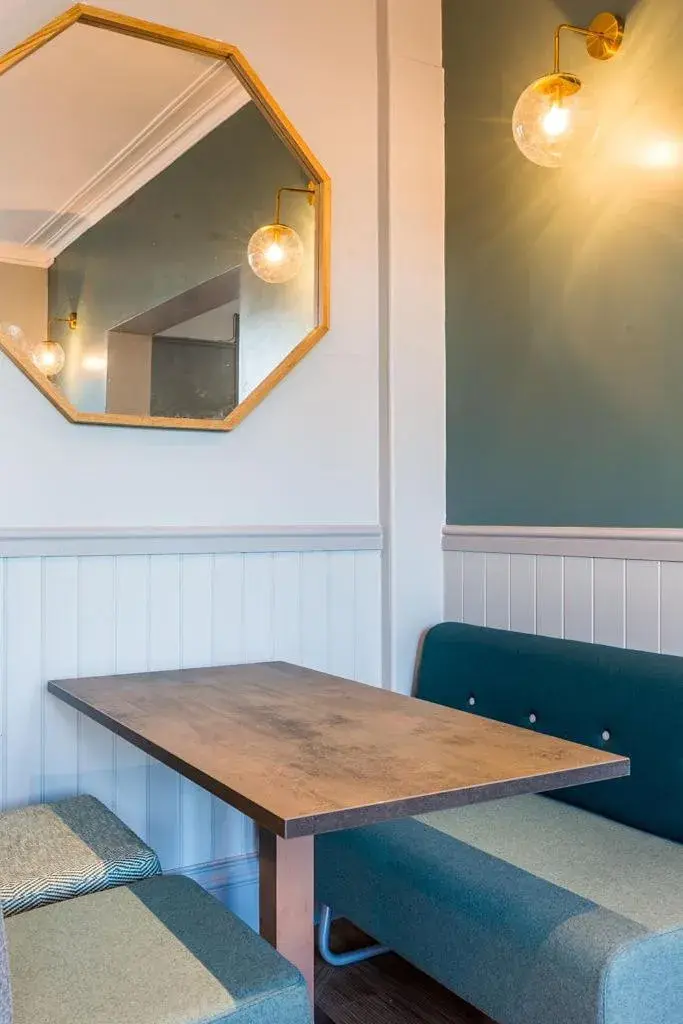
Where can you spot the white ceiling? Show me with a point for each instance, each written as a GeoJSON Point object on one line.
{"type": "Point", "coordinates": [86, 120]}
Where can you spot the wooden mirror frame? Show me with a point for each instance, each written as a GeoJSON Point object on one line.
{"type": "Point", "coordinates": [97, 18]}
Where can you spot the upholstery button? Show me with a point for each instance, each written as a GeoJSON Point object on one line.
{"type": "Point", "coordinates": [606, 735]}
{"type": "Point", "coordinates": [532, 718]}
{"type": "Point", "coordinates": [471, 701]}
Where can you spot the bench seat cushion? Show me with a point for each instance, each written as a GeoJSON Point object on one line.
{"type": "Point", "coordinates": [161, 951]}
{"type": "Point", "coordinates": [533, 910]}
{"type": "Point", "coordinates": [55, 851]}
{"type": "Point", "coordinates": [5, 987]}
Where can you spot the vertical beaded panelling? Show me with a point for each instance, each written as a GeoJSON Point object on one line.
{"type": "Point", "coordinates": [621, 602]}
{"type": "Point", "coordinates": [71, 616]}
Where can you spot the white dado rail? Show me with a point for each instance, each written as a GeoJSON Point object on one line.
{"type": "Point", "coordinates": [580, 541]}
{"type": "Point", "coordinates": [78, 602]}
{"type": "Point", "coordinates": [17, 543]}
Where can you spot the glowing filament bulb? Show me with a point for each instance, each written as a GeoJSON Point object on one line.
{"type": "Point", "coordinates": [274, 253]}
{"type": "Point", "coordinates": [49, 357]}
{"type": "Point", "coordinates": [556, 122]}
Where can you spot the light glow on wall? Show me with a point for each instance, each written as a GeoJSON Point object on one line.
{"type": "Point", "coordinates": [94, 363]}
{"type": "Point", "coordinates": [664, 154]}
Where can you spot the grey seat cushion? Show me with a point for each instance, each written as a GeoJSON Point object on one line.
{"type": "Point", "coordinates": [535, 911]}
{"type": "Point", "coordinates": [5, 988]}
{"type": "Point", "coordinates": [622, 869]}
{"type": "Point", "coordinates": [161, 951]}
{"type": "Point", "coordinates": [55, 851]}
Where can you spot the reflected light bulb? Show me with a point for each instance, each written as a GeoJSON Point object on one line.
{"type": "Point", "coordinates": [275, 253]}
{"type": "Point", "coordinates": [13, 335]}
{"type": "Point", "coordinates": [550, 119]}
{"type": "Point", "coordinates": [49, 357]}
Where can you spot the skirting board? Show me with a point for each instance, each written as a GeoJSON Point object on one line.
{"type": "Point", "coordinates": [234, 882]}
{"type": "Point", "coordinates": [664, 545]}
{"type": "Point", "coordinates": [140, 540]}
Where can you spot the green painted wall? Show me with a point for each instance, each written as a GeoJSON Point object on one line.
{"type": "Point", "coordinates": [564, 288]}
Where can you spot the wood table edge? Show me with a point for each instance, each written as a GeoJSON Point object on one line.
{"type": "Point", "coordinates": [354, 817]}
{"type": "Point", "coordinates": [375, 814]}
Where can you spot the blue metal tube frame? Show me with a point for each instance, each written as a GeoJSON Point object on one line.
{"type": "Point", "coordinates": [341, 959]}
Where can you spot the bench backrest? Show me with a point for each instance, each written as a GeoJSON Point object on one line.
{"type": "Point", "coordinates": [628, 702]}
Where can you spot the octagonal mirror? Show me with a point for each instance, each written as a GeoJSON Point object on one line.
{"type": "Point", "coordinates": [163, 228]}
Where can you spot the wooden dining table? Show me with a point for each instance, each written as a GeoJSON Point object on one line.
{"type": "Point", "coordinates": [302, 752]}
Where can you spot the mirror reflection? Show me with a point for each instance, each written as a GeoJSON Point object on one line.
{"type": "Point", "coordinates": [158, 237]}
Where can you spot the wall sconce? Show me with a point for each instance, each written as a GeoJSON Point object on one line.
{"type": "Point", "coordinates": [550, 114]}
{"type": "Point", "coordinates": [275, 251]}
{"type": "Point", "coordinates": [49, 356]}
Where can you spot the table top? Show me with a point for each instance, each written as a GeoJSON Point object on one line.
{"type": "Point", "coordinates": [302, 752]}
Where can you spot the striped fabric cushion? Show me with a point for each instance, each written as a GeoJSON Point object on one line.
{"type": "Point", "coordinates": [55, 851]}
{"type": "Point", "coordinates": [161, 951]}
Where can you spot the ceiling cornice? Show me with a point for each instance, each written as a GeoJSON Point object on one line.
{"type": "Point", "coordinates": [212, 98]}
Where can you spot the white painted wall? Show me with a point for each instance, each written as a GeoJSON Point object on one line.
{"type": "Point", "coordinates": [412, 341]}
{"type": "Point", "coordinates": [301, 457]}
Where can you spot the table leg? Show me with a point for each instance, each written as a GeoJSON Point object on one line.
{"type": "Point", "coordinates": [286, 901]}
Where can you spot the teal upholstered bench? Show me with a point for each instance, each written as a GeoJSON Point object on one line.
{"type": "Point", "coordinates": [563, 910]}
{"type": "Point", "coordinates": [52, 852]}
{"type": "Point", "coordinates": [161, 951]}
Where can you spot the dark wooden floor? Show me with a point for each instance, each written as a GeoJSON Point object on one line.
{"type": "Point", "coordinates": [385, 990]}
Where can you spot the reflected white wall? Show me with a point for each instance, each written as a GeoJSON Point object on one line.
{"type": "Point", "coordinates": [23, 299]}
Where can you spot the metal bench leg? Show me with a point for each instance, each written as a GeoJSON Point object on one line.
{"type": "Point", "coordinates": [341, 959]}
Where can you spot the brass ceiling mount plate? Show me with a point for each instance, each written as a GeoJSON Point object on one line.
{"type": "Point", "coordinates": [605, 35]}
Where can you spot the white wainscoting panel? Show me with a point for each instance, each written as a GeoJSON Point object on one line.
{"type": "Point", "coordinates": [67, 616]}
{"type": "Point", "coordinates": [622, 602]}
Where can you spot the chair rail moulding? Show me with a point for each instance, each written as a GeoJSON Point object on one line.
{"type": "Point", "coordinates": [592, 541]}
{"type": "Point", "coordinates": [17, 543]}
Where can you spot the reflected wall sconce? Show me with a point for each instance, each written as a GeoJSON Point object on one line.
{"type": "Point", "coordinates": [49, 356]}
{"type": "Point", "coordinates": [13, 335]}
{"type": "Point", "coordinates": [551, 115]}
{"type": "Point", "coordinates": [275, 251]}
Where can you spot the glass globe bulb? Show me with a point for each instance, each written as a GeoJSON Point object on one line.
{"type": "Point", "coordinates": [13, 335]}
{"type": "Point", "coordinates": [551, 120]}
{"type": "Point", "coordinates": [275, 253]}
{"type": "Point", "coordinates": [49, 357]}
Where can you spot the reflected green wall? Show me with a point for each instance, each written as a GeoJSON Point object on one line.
{"type": "Point", "coordinates": [190, 223]}
{"type": "Point", "coordinates": [564, 288]}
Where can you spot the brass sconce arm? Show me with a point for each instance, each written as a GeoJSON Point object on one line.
{"type": "Point", "coordinates": [603, 37]}
{"type": "Point", "coordinates": [71, 320]}
{"type": "Point", "coordinates": [558, 31]}
{"type": "Point", "coordinates": [310, 190]}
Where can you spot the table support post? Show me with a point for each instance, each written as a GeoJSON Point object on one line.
{"type": "Point", "coordinates": [286, 900]}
